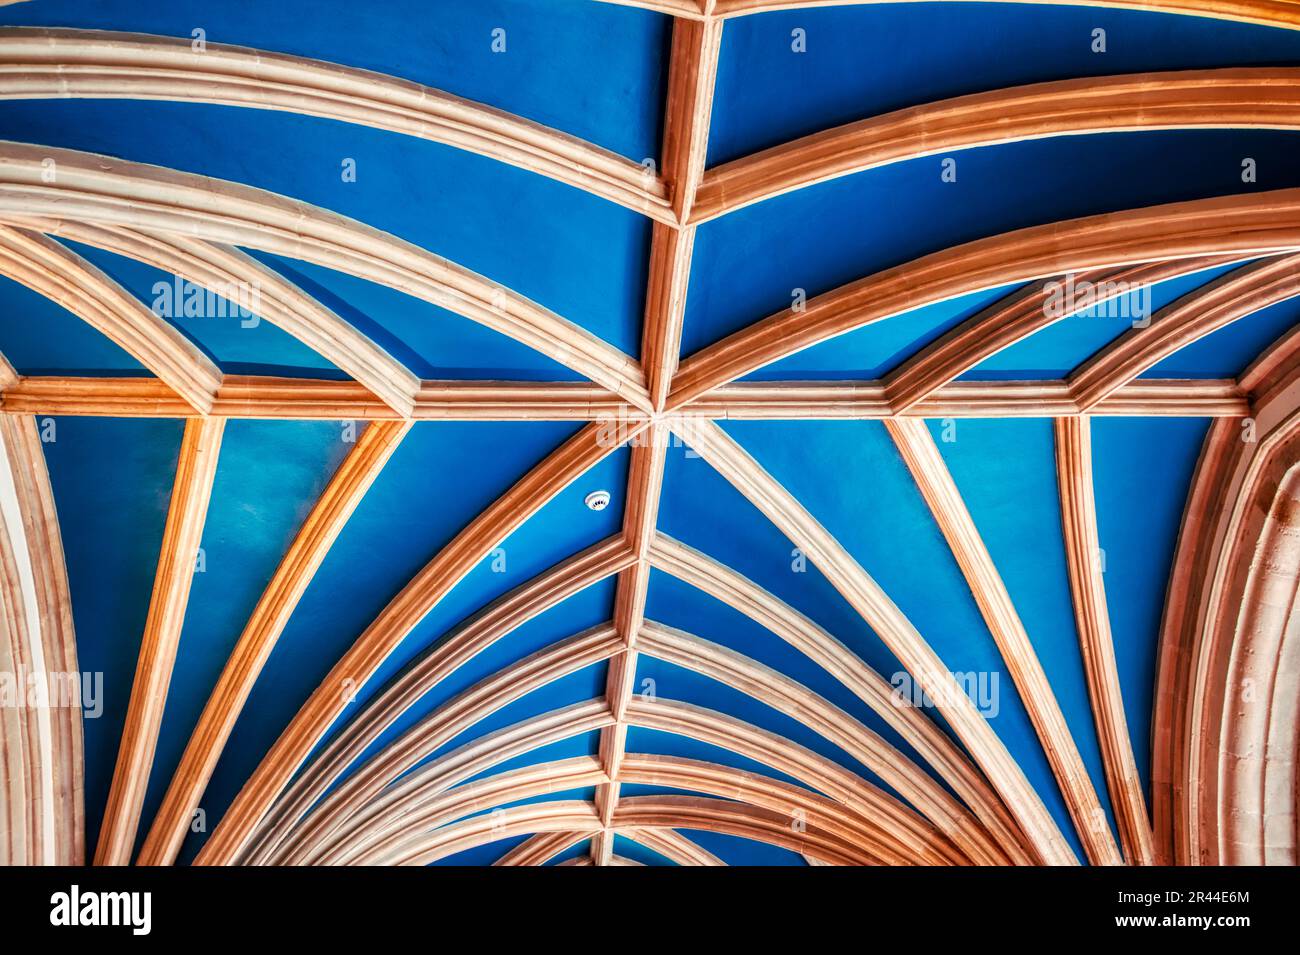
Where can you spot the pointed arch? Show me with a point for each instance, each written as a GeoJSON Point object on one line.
{"type": "Point", "coordinates": [62, 276]}
{"type": "Point", "coordinates": [800, 632]}
{"type": "Point", "coordinates": [1244, 226]}
{"type": "Point", "coordinates": [1191, 99]}
{"type": "Point", "coordinates": [100, 190]}
{"type": "Point", "coordinates": [493, 623]}
{"type": "Point", "coordinates": [53, 63]}
{"type": "Point", "coordinates": [222, 269]}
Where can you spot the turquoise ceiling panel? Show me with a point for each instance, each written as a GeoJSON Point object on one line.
{"type": "Point", "coordinates": [40, 337]}
{"type": "Point", "coordinates": [1142, 471]}
{"type": "Point", "coordinates": [259, 502]}
{"type": "Point", "coordinates": [1005, 471]}
{"type": "Point", "coordinates": [439, 478]}
{"type": "Point", "coordinates": [112, 482]}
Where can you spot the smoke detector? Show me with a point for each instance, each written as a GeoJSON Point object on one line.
{"type": "Point", "coordinates": [598, 500]}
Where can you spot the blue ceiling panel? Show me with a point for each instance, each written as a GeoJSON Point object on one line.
{"type": "Point", "coordinates": [40, 337]}
{"type": "Point", "coordinates": [825, 236]}
{"type": "Point", "coordinates": [1006, 472]}
{"type": "Point", "coordinates": [862, 61]}
{"type": "Point", "coordinates": [559, 530]}
{"type": "Point", "coordinates": [628, 849]}
{"type": "Point", "coordinates": [1227, 352]}
{"type": "Point", "coordinates": [430, 341]}
{"type": "Point", "coordinates": [734, 850]}
{"type": "Point", "coordinates": [1061, 347]}
{"type": "Point", "coordinates": [593, 71]}
{"type": "Point", "coordinates": [112, 481]}
{"type": "Point", "coordinates": [482, 855]}
{"type": "Point", "coordinates": [1142, 470]}
{"type": "Point", "coordinates": [238, 342]}
{"type": "Point", "coordinates": [873, 350]}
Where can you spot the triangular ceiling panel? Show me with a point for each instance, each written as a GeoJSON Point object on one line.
{"type": "Point", "coordinates": [112, 483]}
{"type": "Point", "coordinates": [1140, 501]}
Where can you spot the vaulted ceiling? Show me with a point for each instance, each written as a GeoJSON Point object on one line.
{"type": "Point", "coordinates": [321, 325]}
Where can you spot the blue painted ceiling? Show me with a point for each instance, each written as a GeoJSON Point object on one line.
{"type": "Point", "coordinates": [598, 71]}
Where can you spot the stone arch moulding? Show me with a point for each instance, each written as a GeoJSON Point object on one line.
{"type": "Point", "coordinates": [1228, 680]}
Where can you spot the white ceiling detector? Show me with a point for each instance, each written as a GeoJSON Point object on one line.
{"type": "Point", "coordinates": [598, 500]}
